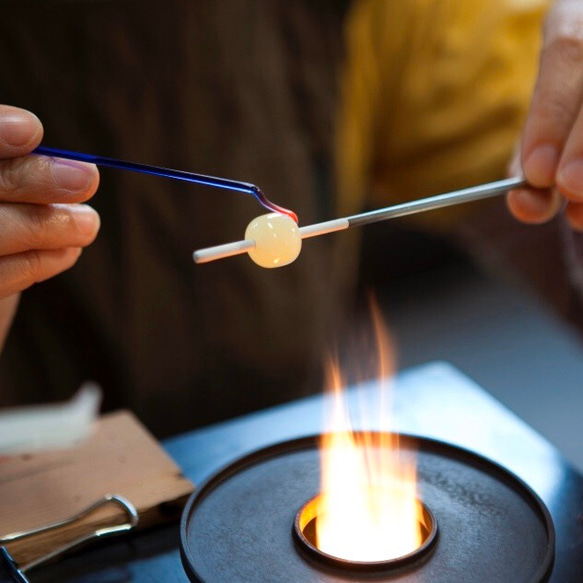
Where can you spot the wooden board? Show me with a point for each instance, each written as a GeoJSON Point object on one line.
{"type": "Point", "coordinates": [122, 458]}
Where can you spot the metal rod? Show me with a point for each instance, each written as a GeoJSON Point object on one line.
{"type": "Point", "coordinates": [399, 210]}
{"type": "Point", "coordinates": [214, 181]}
{"type": "Point", "coordinates": [435, 202]}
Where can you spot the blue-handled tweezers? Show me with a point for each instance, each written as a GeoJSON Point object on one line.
{"type": "Point", "coordinates": [213, 181]}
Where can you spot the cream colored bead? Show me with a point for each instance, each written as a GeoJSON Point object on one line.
{"type": "Point", "coordinates": [277, 240]}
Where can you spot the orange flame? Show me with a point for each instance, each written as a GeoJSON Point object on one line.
{"type": "Point", "coordinates": [369, 508]}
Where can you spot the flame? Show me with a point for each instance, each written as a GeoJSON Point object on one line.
{"type": "Point", "coordinates": [369, 509]}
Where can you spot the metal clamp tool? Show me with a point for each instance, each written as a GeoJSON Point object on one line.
{"type": "Point", "coordinates": [11, 572]}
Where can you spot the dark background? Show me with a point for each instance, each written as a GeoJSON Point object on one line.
{"type": "Point", "coordinates": [244, 89]}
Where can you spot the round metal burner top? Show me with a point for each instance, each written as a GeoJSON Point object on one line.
{"type": "Point", "coordinates": [492, 526]}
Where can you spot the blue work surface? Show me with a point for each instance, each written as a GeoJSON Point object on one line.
{"type": "Point", "coordinates": [434, 400]}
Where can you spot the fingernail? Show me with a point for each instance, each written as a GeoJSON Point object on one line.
{"type": "Point", "coordinates": [72, 175]}
{"type": "Point", "coordinates": [86, 219]}
{"type": "Point", "coordinates": [18, 128]}
{"type": "Point", "coordinates": [541, 165]}
{"type": "Point", "coordinates": [571, 179]}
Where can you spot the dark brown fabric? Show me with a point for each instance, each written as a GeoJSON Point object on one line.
{"type": "Point", "coordinates": [237, 88]}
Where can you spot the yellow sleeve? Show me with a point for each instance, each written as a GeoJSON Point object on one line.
{"type": "Point", "coordinates": [433, 96]}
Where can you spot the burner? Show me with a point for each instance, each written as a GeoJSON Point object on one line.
{"type": "Point", "coordinates": [305, 531]}
{"type": "Point", "coordinates": [252, 522]}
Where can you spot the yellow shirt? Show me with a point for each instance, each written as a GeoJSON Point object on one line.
{"type": "Point", "coordinates": [434, 94]}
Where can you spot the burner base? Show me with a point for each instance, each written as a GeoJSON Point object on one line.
{"type": "Point", "coordinates": [492, 526]}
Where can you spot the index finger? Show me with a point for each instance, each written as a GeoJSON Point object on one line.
{"type": "Point", "coordinates": [20, 131]}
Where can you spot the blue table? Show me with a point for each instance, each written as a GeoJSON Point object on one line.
{"type": "Point", "coordinates": [433, 400]}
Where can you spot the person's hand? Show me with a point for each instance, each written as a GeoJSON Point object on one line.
{"type": "Point", "coordinates": [42, 226]}
{"type": "Point", "coordinates": [551, 152]}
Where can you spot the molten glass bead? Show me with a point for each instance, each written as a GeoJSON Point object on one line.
{"type": "Point", "coordinates": [277, 240]}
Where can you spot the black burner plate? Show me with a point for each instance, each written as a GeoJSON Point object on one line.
{"type": "Point", "coordinates": [492, 526]}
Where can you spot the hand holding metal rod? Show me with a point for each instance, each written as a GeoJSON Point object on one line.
{"type": "Point", "coordinates": [214, 181]}
{"type": "Point", "coordinates": [399, 210]}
